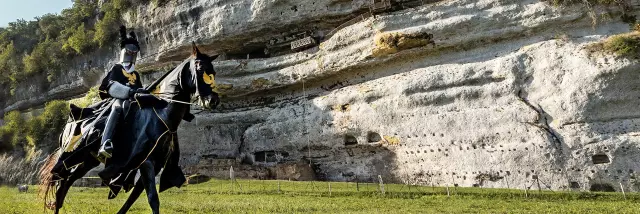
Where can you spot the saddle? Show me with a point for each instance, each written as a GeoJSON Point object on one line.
{"type": "Point", "coordinates": [142, 100]}
{"type": "Point", "coordinates": [80, 118]}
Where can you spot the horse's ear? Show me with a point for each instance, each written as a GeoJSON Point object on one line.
{"type": "Point", "coordinates": [195, 51]}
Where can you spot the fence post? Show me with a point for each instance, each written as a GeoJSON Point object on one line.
{"type": "Point", "coordinates": [232, 177]}
{"type": "Point", "coordinates": [381, 184]}
{"type": "Point", "coordinates": [623, 193]}
{"type": "Point", "coordinates": [538, 181]}
{"type": "Point", "coordinates": [526, 194]}
{"type": "Point", "coordinates": [448, 194]}
{"type": "Point", "coordinates": [329, 189]}
{"type": "Point", "coordinates": [506, 178]}
{"type": "Point", "coordinates": [278, 186]}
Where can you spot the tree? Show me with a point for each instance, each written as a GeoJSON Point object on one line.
{"type": "Point", "coordinates": [105, 27]}
{"type": "Point", "coordinates": [10, 64]}
{"type": "Point", "coordinates": [50, 25]}
{"type": "Point", "coordinates": [45, 57]}
{"type": "Point", "coordinates": [80, 41]}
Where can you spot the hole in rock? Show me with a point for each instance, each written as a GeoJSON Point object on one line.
{"type": "Point", "coordinates": [373, 137]}
{"type": "Point", "coordinates": [574, 185]}
{"type": "Point", "coordinates": [346, 107]}
{"type": "Point", "coordinates": [269, 156]}
{"type": "Point", "coordinates": [350, 140]}
{"type": "Point", "coordinates": [600, 159]}
{"type": "Point", "coordinates": [600, 187]}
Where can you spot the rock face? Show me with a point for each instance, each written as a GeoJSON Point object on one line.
{"type": "Point", "coordinates": [464, 92]}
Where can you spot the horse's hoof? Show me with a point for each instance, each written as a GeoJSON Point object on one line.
{"type": "Point", "coordinates": [51, 205]}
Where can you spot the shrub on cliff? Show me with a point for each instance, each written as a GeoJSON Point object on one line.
{"type": "Point", "coordinates": [91, 97]}
{"type": "Point", "coordinates": [38, 132]}
{"type": "Point", "coordinates": [13, 129]}
{"type": "Point", "coordinates": [51, 122]}
{"type": "Point", "coordinates": [626, 45]}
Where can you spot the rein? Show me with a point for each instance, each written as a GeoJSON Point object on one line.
{"type": "Point", "coordinates": [170, 100]}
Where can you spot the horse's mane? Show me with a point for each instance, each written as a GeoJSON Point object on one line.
{"type": "Point", "coordinates": [175, 71]}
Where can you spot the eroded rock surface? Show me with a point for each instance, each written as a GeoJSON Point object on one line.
{"type": "Point", "coordinates": [475, 93]}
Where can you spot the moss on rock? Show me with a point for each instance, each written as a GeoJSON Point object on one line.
{"type": "Point", "coordinates": [390, 43]}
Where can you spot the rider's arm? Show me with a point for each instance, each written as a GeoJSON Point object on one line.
{"type": "Point", "coordinates": [120, 91]}
{"type": "Point", "coordinates": [103, 89]}
{"type": "Point", "coordinates": [111, 86]}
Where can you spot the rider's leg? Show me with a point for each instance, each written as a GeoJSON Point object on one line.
{"type": "Point", "coordinates": [107, 146]}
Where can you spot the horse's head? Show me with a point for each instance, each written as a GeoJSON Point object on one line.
{"type": "Point", "coordinates": [205, 81]}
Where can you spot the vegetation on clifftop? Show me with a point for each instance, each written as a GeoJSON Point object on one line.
{"type": "Point", "coordinates": [47, 44]}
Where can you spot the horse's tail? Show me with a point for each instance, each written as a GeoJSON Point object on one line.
{"type": "Point", "coordinates": [47, 190]}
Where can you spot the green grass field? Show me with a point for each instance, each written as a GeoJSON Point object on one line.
{"type": "Point", "coordinates": [219, 196]}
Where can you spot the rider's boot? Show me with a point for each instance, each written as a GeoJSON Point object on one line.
{"type": "Point", "coordinates": [106, 148]}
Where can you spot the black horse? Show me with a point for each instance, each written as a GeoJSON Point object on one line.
{"type": "Point", "coordinates": [146, 140]}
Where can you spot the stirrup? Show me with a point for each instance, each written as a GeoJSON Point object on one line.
{"type": "Point", "coordinates": [106, 149]}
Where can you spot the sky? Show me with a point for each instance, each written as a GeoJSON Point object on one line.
{"type": "Point", "coordinates": [11, 10]}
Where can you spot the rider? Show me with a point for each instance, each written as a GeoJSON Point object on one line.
{"type": "Point", "coordinates": [122, 82]}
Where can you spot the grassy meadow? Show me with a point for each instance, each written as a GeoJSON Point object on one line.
{"type": "Point", "coordinates": [253, 196]}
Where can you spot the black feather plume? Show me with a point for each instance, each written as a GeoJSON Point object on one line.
{"type": "Point", "coordinates": [123, 36]}
{"type": "Point", "coordinates": [132, 35]}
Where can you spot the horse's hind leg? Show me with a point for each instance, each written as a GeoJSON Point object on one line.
{"type": "Point", "coordinates": [135, 193]}
{"type": "Point", "coordinates": [148, 177]}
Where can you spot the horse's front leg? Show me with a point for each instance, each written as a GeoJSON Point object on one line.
{"type": "Point", "coordinates": [135, 193]}
{"type": "Point", "coordinates": [65, 185]}
{"type": "Point", "coordinates": [148, 177]}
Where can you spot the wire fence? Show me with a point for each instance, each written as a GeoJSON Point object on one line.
{"type": "Point", "coordinates": [381, 189]}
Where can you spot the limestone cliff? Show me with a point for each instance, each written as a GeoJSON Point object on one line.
{"type": "Point", "coordinates": [493, 93]}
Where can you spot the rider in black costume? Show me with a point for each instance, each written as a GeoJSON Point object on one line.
{"type": "Point", "coordinates": [122, 83]}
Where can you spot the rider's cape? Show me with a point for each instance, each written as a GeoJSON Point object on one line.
{"type": "Point", "coordinates": [81, 140]}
